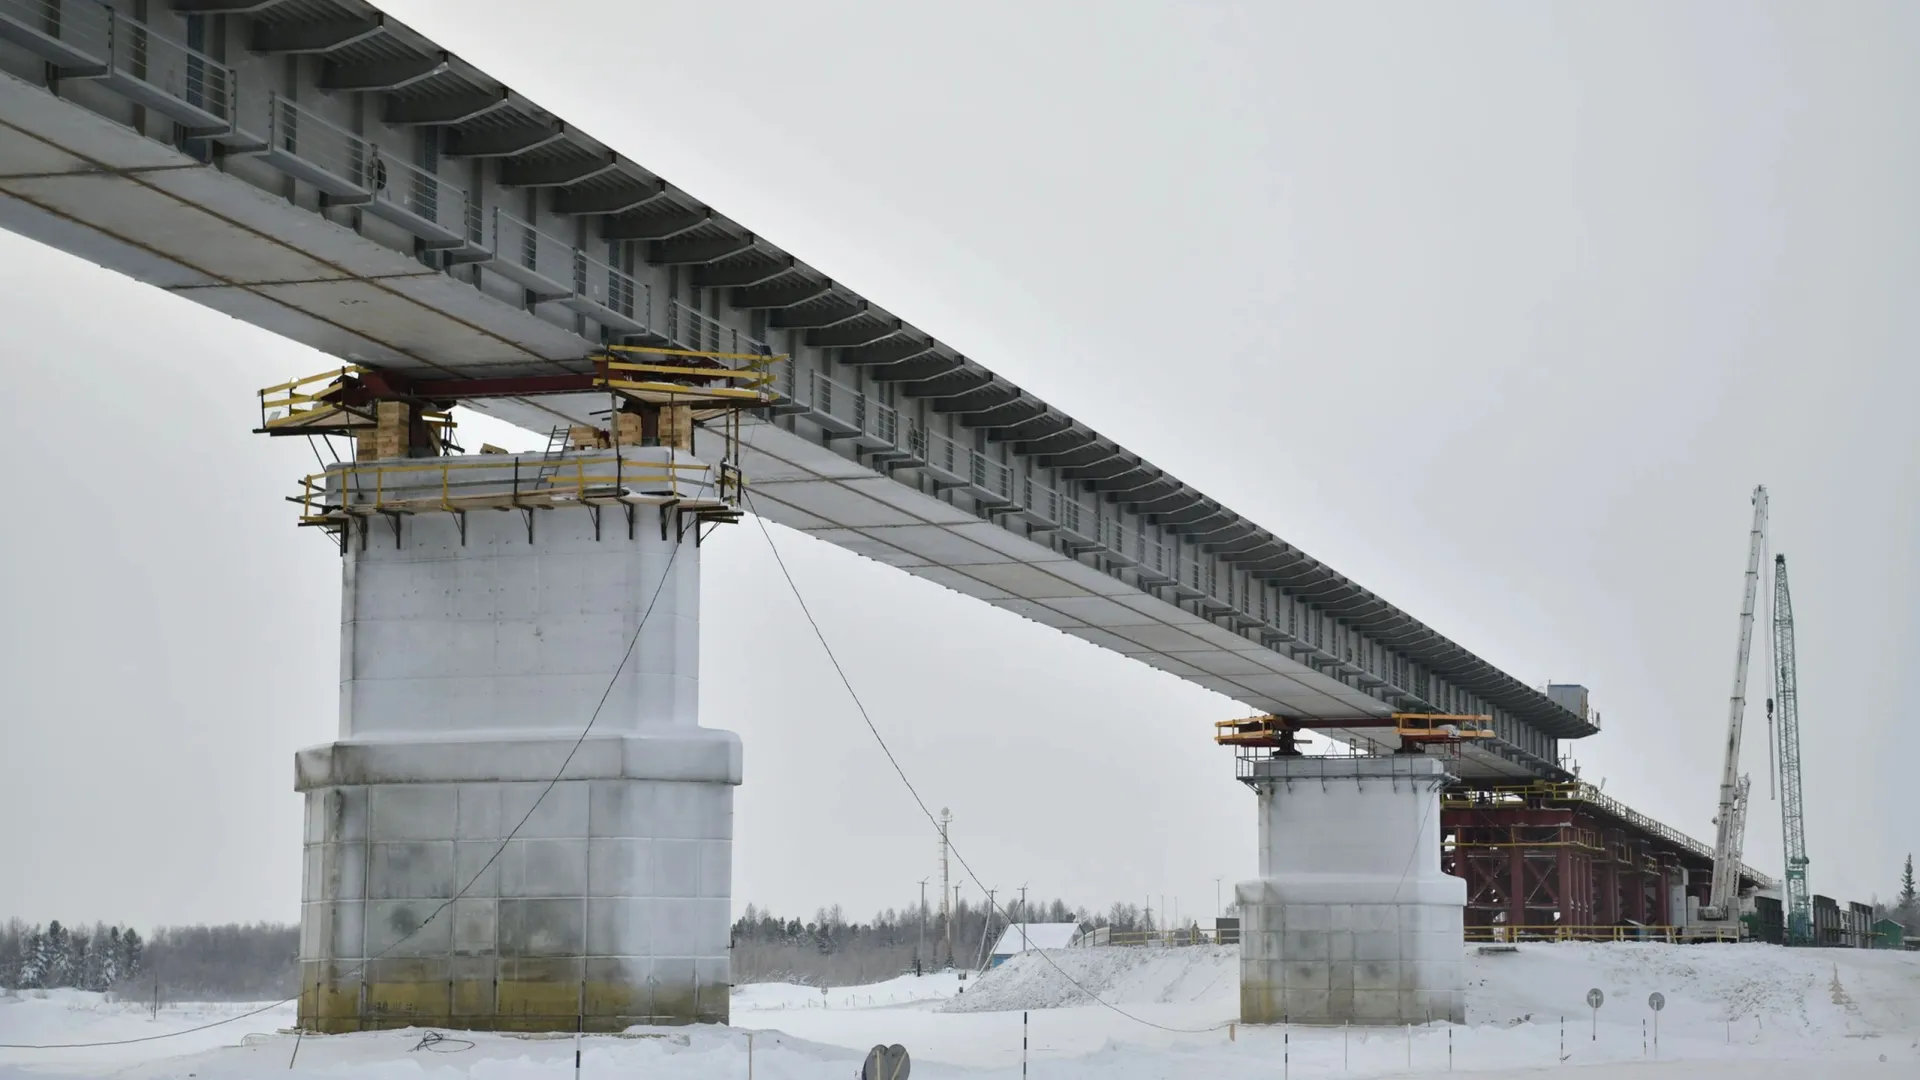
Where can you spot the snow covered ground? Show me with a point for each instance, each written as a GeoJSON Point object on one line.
{"type": "Point", "coordinates": [1753, 1012]}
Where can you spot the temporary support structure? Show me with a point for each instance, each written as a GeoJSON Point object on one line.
{"type": "Point", "coordinates": [1562, 861]}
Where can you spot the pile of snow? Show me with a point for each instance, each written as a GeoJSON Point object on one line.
{"type": "Point", "coordinates": [1057, 978]}
{"type": "Point", "coordinates": [1820, 993]}
{"type": "Point", "coordinates": [903, 990]}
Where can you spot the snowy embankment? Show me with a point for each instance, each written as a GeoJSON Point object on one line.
{"type": "Point", "coordinates": [904, 990]}
{"type": "Point", "coordinates": [1752, 1012]}
{"type": "Point", "coordinates": [1062, 978]}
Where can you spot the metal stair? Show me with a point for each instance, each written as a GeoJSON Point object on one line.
{"type": "Point", "coordinates": [551, 460]}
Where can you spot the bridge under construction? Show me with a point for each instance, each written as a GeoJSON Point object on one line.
{"type": "Point", "coordinates": [320, 170]}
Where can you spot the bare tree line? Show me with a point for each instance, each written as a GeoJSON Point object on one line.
{"type": "Point", "coordinates": [828, 950]}
{"type": "Point", "coordinates": [260, 961]}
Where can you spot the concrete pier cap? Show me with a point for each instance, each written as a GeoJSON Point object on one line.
{"type": "Point", "coordinates": [474, 650]}
{"type": "Point", "coordinates": [1351, 920]}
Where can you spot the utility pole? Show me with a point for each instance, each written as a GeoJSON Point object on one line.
{"type": "Point", "coordinates": [946, 886]}
{"type": "Point", "coordinates": [986, 927]}
{"type": "Point", "coordinates": [921, 949]}
{"type": "Point", "coordinates": [1023, 918]}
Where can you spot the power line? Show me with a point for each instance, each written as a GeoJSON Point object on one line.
{"type": "Point", "coordinates": [921, 803]}
{"type": "Point", "coordinates": [614, 679]}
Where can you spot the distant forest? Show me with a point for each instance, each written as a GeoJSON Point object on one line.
{"type": "Point", "coordinates": [260, 961]}
{"type": "Point", "coordinates": [827, 950]}
{"type": "Point", "coordinates": [236, 962]}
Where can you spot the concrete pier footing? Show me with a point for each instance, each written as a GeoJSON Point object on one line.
{"type": "Point", "coordinates": [1351, 919]}
{"type": "Point", "coordinates": [473, 653]}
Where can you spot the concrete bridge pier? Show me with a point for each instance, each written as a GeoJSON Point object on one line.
{"type": "Point", "coordinates": [474, 648]}
{"type": "Point", "coordinates": [1351, 919]}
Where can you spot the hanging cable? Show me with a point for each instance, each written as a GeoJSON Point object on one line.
{"type": "Point", "coordinates": [612, 680]}
{"type": "Point", "coordinates": [859, 705]}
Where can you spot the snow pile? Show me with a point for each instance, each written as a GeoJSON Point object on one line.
{"type": "Point", "coordinates": [1819, 993]}
{"type": "Point", "coordinates": [904, 990]}
{"type": "Point", "coordinates": [1045, 979]}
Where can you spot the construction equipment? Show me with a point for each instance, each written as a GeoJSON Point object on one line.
{"type": "Point", "coordinates": [1263, 732]}
{"type": "Point", "coordinates": [1422, 729]}
{"type": "Point", "coordinates": [1413, 729]}
{"type": "Point", "coordinates": [1792, 822]}
{"type": "Point", "coordinates": [1723, 899]}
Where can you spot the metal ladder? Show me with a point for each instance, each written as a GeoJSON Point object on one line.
{"type": "Point", "coordinates": [551, 460]}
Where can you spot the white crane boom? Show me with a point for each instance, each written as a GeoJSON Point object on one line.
{"type": "Point", "coordinates": [1731, 819]}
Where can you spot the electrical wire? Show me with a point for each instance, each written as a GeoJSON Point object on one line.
{"type": "Point", "coordinates": [612, 680]}
{"type": "Point", "coordinates": [146, 1038]}
{"type": "Point", "coordinates": [859, 705]}
{"type": "Point", "coordinates": [435, 1043]}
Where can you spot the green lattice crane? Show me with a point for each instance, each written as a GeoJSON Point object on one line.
{"type": "Point", "coordinates": [1792, 816]}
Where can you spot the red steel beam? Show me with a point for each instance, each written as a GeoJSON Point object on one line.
{"type": "Point", "coordinates": [522, 386]}
{"type": "Point", "coordinates": [384, 384]}
{"type": "Point", "coordinates": [1523, 863]}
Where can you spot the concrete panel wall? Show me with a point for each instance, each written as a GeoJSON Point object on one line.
{"type": "Point", "coordinates": [471, 860]}
{"type": "Point", "coordinates": [498, 633]}
{"type": "Point", "coordinates": [1352, 919]}
{"type": "Point", "coordinates": [609, 907]}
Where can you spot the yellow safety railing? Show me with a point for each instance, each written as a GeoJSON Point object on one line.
{"type": "Point", "coordinates": [749, 376]}
{"type": "Point", "coordinates": [1581, 838]}
{"type": "Point", "coordinates": [1427, 727]}
{"type": "Point", "coordinates": [297, 405]}
{"type": "Point", "coordinates": [1559, 932]}
{"type": "Point", "coordinates": [301, 409]}
{"type": "Point", "coordinates": [1545, 932]}
{"type": "Point", "coordinates": [1183, 936]}
{"type": "Point", "coordinates": [395, 488]}
{"type": "Point", "coordinates": [1262, 730]}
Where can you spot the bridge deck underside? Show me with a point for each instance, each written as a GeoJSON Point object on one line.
{"type": "Point", "coordinates": [291, 228]}
{"type": "Point", "coordinates": [812, 489]}
{"type": "Point", "coordinates": [87, 185]}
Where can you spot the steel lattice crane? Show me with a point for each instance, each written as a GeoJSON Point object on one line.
{"type": "Point", "coordinates": [1792, 820]}
{"type": "Point", "coordinates": [1723, 901]}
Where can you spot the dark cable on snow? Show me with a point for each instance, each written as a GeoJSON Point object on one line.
{"type": "Point", "coordinates": [434, 1042]}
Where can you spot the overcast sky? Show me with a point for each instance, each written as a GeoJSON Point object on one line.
{"type": "Point", "coordinates": [1500, 309]}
